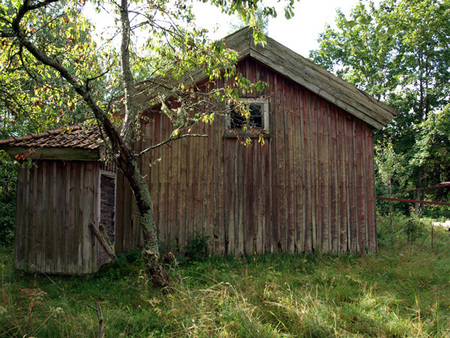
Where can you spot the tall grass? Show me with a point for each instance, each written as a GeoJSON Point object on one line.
{"type": "Point", "coordinates": [404, 290]}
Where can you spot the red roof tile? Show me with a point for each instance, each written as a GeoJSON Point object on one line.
{"type": "Point", "coordinates": [65, 137]}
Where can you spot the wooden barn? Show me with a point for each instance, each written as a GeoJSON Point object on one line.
{"type": "Point", "coordinates": [310, 187]}
{"type": "Point", "coordinates": [63, 201]}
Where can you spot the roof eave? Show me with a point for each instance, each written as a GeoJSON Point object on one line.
{"type": "Point", "coordinates": [67, 154]}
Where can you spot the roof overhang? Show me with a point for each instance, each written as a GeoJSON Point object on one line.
{"type": "Point", "coordinates": [67, 154]}
{"type": "Point", "coordinates": [66, 143]}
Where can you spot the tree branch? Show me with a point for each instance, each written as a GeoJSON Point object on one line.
{"type": "Point", "coordinates": [170, 139]}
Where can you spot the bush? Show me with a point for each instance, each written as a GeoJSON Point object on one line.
{"type": "Point", "coordinates": [7, 218]}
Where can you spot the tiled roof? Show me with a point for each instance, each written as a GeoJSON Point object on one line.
{"type": "Point", "coordinates": [65, 137]}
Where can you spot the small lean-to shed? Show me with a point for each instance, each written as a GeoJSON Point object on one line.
{"type": "Point", "coordinates": [62, 200]}
{"type": "Point", "coordinates": [310, 187]}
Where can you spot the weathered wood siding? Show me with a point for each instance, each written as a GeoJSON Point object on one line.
{"type": "Point", "coordinates": [56, 201]}
{"type": "Point", "coordinates": [309, 188]}
{"type": "Point", "coordinates": [107, 214]}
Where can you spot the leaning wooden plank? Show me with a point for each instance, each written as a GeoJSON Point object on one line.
{"type": "Point", "coordinates": [103, 240]}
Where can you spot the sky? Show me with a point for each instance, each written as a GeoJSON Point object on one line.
{"type": "Point", "coordinates": [299, 33]}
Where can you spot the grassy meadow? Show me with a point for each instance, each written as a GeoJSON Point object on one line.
{"type": "Point", "coordinates": [403, 291]}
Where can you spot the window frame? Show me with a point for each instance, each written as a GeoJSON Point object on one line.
{"type": "Point", "coordinates": [255, 132]}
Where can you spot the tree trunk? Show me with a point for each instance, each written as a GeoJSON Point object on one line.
{"type": "Point", "coordinates": [129, 165]}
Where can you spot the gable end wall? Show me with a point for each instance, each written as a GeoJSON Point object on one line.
{"type": "Point", "coordinates": [309, 188]}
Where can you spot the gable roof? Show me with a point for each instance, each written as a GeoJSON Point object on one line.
{"type": "Point", "coordinates": [313, 77]}
{"type": "Point", "coordinates": [298, 69]}
{"type": "Point", "coordinates": [69, 143]}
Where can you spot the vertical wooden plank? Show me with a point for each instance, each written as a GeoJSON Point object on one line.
{"type": "Point", "coordinates": [63, 236]}
{"type": "Point", "coordinates": [278, 124]}
{"type": "Point", "coordinates": [58, 196]}
{"type": "Point", "coordinates": [308, 176]}
{"type": "Point", "coordinates": [258, 181]}
{"type": "Point", "coordinates": [328, 159]}
{"type": "Point", "coordinates": [283, 165]}
{"type": "Point", "coordinates": [31, 248]}
{"type": "Point", "coordinates": [269, 170]}
{"type": "Point", "coordinates": [192, 167]}
{"type": "Point", "coordinates": [251, 199]}
{"type": "Point", "coordinates": [21, 228]}
{"type": "Point", "coordinates": [120, 211]}
{"type": "Point", "coordinates": [209, 198]}
{"type": "Point", "coordinates": [127, 215]}
{"type": "Point", "coordinates": [39, 236]}
{"type": "Point", "coordinates": [315, 188]}
{"type": "Point", "coordinates": [49, 221]}
{"type": "Point", "coordinates": [87, 210]}
{"type": "Point", "coordinates": [352, 232]}
{"type": "Point", "coordinates": [96, 214]}
{"type": "Point", "coordinates": [342, 183]}
{"type": "Point", "coordinates": [273, 234]}
{"type": "Point", "coordinates": [170, 204]}
{"type": "Point", "coordinates": [333, 181]}
{"type": "Point", "coordinates": [206, 186]}
{"type": "Point", "coordinates": [299, 168]}
{"type": "Point", "coordinates": [322, 162]}
{"type": "Point", "coordinates": [182, 194]}
{"type": "Point", "coordinates": [197, 207]}
{"type": "Point", "coordinates": [229, 197]}
{"type": "Point", "coordinates": [269, 219]}
{"type": "Point", "coordinates": [360, 187]}
{"type": "Point", "coordinates": [76, 209]}
{"type": "Point", "coordinates": [289, 141]}
{"type": "Point", "coordinates": [240, 198]}
{"type": "Point", "coordinates": [71, 194]}
{"type": "Point", "coordinates": [219, 174]}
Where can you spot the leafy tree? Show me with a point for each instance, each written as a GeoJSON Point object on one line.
{"type": "Point", "coordinates": [34, 98]}
{"type": "Point", "coordinates": [173, 47]}
{"type": "Point", "coordinates": [399, 52]}
{"type": "Point", "coordinates": [391, 170]}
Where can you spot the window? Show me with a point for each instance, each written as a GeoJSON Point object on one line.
{"type": "Point", "coordinates": [256, 120]}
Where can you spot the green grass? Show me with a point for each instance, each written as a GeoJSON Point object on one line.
{"type": "Point", "coordinates": [403, 291]}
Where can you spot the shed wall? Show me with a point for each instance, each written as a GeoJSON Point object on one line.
{"type": "Point", "coordinates": [309, 188]}
{"type": "Point", "coordinates": [56, 201]}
